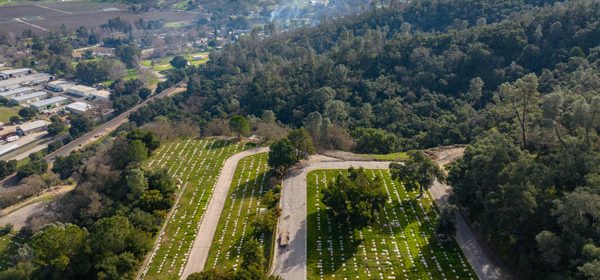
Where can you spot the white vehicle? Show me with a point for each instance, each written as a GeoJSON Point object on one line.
{"type": "Point", "coordinates": [12, 138]}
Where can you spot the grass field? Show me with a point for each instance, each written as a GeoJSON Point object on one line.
{"type": "Point", "coordinates": [7, 112]}
{"type": "Point", "coordinates": [243, 204]}
{"type": "Point", "coordinates": [401, 245]}
{"type": "Point", "coordinates": [164, 64]}
{"type": "Point", "coordinates": [195, 165]}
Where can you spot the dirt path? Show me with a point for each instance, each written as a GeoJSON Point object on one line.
{"type": "Point", "coordinates": [19, 217]}
{"type": "Point", "coordinates": [208, 226]}
{"type": "Point", "coordinates": [18, 214]}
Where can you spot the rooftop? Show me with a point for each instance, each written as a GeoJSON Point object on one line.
{"type": "Point", "coordinates": [102, 93]}
{"type": "Point", "coordinates": [49, 101]}
{"type": "Point", "coordinates": [81, 88]}
{"type": "Point", "coordinates": [15, 91]}
{"type": "Point", "coordinates": [30, 95]}
{"type": "Point", "coordinates": [33, 125]}
{"type": "Point", "coordinates": [79, 106]}
{"type": "Point", "coordinates": [14, 71]}
{"type": "Point", "coordinates": [24, 79]}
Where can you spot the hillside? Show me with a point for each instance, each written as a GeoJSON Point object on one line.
{"type": "Point", "coordinates": [517, 79]}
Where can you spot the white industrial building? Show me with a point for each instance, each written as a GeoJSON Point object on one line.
{"type": "Point", "coordinates": [15, 73]}
{"type": "Point", "coordinates": [101, 95]}
{"type": "Point", "coordinates": [48, 103]}
{"type": "Point", "coordinates": [29, 98]}
{"type": "Point", "coordinates": [15, 92]}
{"type": "Point", "coordinates": [59, 86]}
{"type": "Point", "coordinates": [32, 127]}
{"type": "Point", "coordinates": [34, 79]}
{"type": "Point", "coordinates": [79, 107]}
{"type": "Point", "coordinates": [82, 91]}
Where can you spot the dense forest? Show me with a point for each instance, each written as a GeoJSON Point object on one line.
{"type": "Point", "coordinates": [518, 80]}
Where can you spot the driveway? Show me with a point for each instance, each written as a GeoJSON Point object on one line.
{"type": "Point", "coordinates": [208, 226]}
{"type": "Point", "coordinates": [290, 262]}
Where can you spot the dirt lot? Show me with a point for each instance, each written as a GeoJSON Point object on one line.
{"type": "Point", "coordinates": [41, 18]}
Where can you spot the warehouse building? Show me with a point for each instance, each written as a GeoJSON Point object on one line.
{"type": "Point", "coordinates": [15, 92]}
{"type": "Point", "coordinates": [79, 107]}
{"type": "Point", "coordinates": [29, 98]}
{"type": "Point", "coordinates": [15, 73]}
{"type": "Point", "coordinates": [32, 127]}
{"type": "Point", "coordinates": [34, 79]}
{"type": "Point", "coordinates": [100, 95]}
{"type": "Point", "coordinates": [81, 91]}
{"type": "Point", "coordinates": [59, 86]}
{"type": "Point", "coordinates": [48, 103]}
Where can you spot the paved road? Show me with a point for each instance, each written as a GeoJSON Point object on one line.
{"type": "Point", "coordinates": [208, 226]}
{"type": "Point", "coordinates": [109, 126]}
{"type": "Point", "coordinates": [290, 262]}
{"type": "Point", "coordinates": [486, 266]}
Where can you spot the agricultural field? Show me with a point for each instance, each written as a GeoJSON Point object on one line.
{"type": "Point", "coordinates": [402, 244]}
{"type": "Point", "coordinates": [195, 165]}
{"type": "Point", "coordinates": [243, 204]}
{"type": "Point", "coordinates": [44, 17]}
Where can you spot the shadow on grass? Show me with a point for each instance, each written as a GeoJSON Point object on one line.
{"type": "Point", "coordinates": [350, 242]}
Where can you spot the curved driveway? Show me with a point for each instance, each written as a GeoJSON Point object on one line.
{"type": "Point", "coordinates": [206, 233]}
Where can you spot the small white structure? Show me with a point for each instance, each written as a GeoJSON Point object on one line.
{"type": "Point", "coordinates": [16, 92]}
{"type": "Point", "coordinates": [32, 127]}
{"type": "Point", "coordinates": [100, 95]}
{"type": "Point", "coordinates": [15, 73]}
{"type": "Point", "coordinates": [79, 107]}
{"type": "Point", "coordinates": [59, 86]}
{"type": "Point", "coordinates": [29, 98]}
{"type": "Point", "coordinates": [82, 91]}
{"type": "Point", "coordinates": [48, 103]}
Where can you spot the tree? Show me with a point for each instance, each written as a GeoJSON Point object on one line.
{"type": "Point", "coordinates": [136, 183]}
{"type": "Point", "coordinates": [33, 167]}
{"type": "Point", "coordinates": [56, 127]}
{"type": "Point", "coordinates": [252, 254]}
{"type": "Point", "coordinates": [136, 152]}
{"type": "Point", "coordinates": [67, 165]}
{"type": "Point", "coordinates": [58, 245]}
{"type": "Point", "coordinates": [446, 223]}
{"type": "Point", "coordinates": [80, 124]}
{"type": "Point", "coordinates": [354, 198]}
{"type": "Point", "coordinates": [282, 155]}
{"type": "Point", "coordinates": [179, 62]}
{"type": "Point", "coordinates": [375, 141]}
{"type": "Point", "coordinates": [417, 171]}
{"type": "Point", "coordinates": [522, 99]}
{"type": "Point", "coordinates": [28, 113]}
{"type": "Point", "coordinates": [239, 124]}
{"type": "Point", "coordinates": [475, 91]}
{"type": "Point", "coordinates": [302, 143]}
{"type": "Point", "coordinates": [129, 54]}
